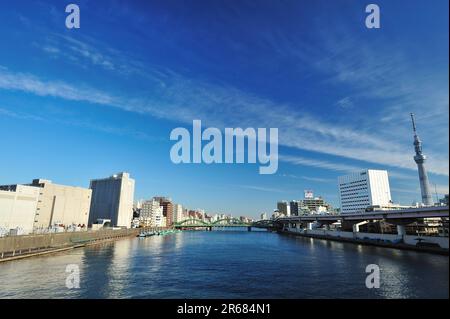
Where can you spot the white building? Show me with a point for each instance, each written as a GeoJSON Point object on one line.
{"type": "Point", "coordinates": [263, 216]}
{"type": "Point", "coordinates": [66, 206]}
{"type": "Point", "coordinates": [18, 205]}
{"type": "Point", "coordinates": [152, 214]}
{"type": "Point", "coordinates": [158, 219]}
{"type": "Point", "coordinates": [359, 190]}
{"type": "Point", "coordinates": [177, 213]}
{"type": "Point", "coordinates": [162, 223]}
{"type": "Point", "coordinates": [61, 204]}
{"type": "Point", "coordinates": [113, 198]}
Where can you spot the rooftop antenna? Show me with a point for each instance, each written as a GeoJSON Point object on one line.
{"type": "Point", "coordinates": [435, 191]}
{"type": "Point", "coordinates": [413, 123]}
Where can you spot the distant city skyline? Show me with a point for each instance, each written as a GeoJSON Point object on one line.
{"type": "Point", "coordinates": [82, 104]}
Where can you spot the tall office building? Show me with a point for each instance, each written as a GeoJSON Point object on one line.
{"type": "Point", "coordinates": [151, 214]}
{"type": "Point", "coordinates": [112, 198]}
{"type": "Point", "coordinates": [177, 213]}
{"type": "Point", "coordinates": [420, 158]}
{"type": "Point", "coordinates": [284, 208]}
{"type": "Point", "coordinates": [295, 207]}
{"type": "Point", "coordinates": [167, 205]}
{"type": "Point", "coordinates": [315, 204]}
{"type": "Point", "coordinates": [357, 191]}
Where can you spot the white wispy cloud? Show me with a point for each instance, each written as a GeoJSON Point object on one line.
{"type": "Point", "coordinates": [298, 160]}
{"type": "Point", "coordinates": [86, 124]}
{"type": "Point", "coordinates": [318, 179]}
{"type": "Point", "coordinates": [337, 167]}
{"type": "Point", "coordinates": [31, 84]}
{"type": "Point", "coordinates": [184, 100]}
{"type": "Point", "coordinates": [376, 72]}
{"type": "Point", "coordinates": [22, 116]}
{"type": "Point", "coordinates": [263, 189]}
{"type": "Point", "coordinates": [89, 53]}
{"type": "Point", "coordinates": [345, 103]}
{"type": "Point", "coordinates": [438, 189]}
{"type": "Point", "coordinates": [310, 178]}
{"type": "Point", "coordinates": [175, 97]}
{"type": "Point", "coordinates": [86, 53]}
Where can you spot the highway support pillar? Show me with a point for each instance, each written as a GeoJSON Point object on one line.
{"type": "Point", "coordinates": [401, 231]}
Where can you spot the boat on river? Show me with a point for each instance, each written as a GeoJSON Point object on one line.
{"type": "Point", "coordinates": [144, 234]}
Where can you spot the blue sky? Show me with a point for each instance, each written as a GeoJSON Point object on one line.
{"type": "Point", "coordinates": [86, 103]}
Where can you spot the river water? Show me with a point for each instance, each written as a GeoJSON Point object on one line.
{"type": "Point", "coordinates": [227, 264]}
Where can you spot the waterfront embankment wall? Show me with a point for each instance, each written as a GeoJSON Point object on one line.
{"type": "Point", "coordinates": [387, 240]}
{"type": "Point", "coordinates": [12, 247]}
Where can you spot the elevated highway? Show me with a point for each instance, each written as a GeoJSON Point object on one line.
{"type": "Point", "coordinates": [406, 214]}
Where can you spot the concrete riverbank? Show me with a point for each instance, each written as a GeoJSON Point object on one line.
{"type": "Point", "coordinates": [18, 247]}
{"type": "Point", "coordinates": [436, 245]}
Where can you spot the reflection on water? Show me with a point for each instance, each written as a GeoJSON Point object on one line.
{"type": "Point", "coordinates": [227, 264]}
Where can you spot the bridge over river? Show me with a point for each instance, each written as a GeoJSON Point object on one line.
{"type": "Point", "coordinates": [221, 223]}
{"type": "Point", "coordinates": [400, 218]}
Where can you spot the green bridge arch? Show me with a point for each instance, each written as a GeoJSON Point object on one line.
{"type": "Point", "coordinates": [195, 222]}
{"type": "Point", "coordinates": [192, 221]}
